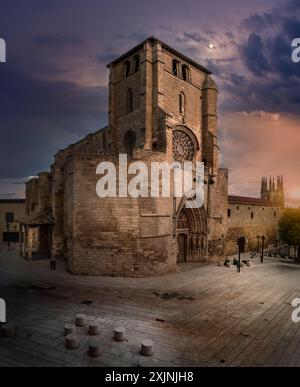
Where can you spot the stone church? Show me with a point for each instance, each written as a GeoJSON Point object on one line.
{"type": "Point", "coordinates": [162, 107]}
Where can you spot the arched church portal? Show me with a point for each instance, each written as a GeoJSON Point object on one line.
{"type": "Point", "coordinates": [191, 234]}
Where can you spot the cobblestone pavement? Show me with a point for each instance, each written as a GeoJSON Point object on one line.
{"type": "Point", "coordinates": [200, 316]}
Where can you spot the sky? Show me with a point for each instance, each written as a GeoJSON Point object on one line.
{"type": "Point", "coordinates": [53, 87]}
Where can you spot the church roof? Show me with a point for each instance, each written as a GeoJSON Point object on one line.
{"type": "Point", "coordinates": [166, 47]}
{"type": "Point", "coordinates": [251, 201]}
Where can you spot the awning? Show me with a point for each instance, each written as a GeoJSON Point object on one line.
{"type": "Point", "coordinates": [40, 219]}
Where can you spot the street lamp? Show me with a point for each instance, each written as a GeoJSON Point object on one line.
{"type": "Point", "coordinates": [263, 238]}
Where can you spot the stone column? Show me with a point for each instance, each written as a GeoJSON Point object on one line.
{"type": "Point", "coordinates": [30, 241]}
{"type": "Point", "coordinates": [25, 246]}
{"type": "Point", "coordinates": [20, 239]}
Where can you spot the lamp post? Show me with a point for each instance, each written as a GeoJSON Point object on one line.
{"type": "Point", "coordinates": [263, 238]}
{"type": "Point", "coordinates": [241, 242]}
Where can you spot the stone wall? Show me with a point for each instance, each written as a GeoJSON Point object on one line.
{"type": "Point", "coordinates": [117, 236]}
{"type": "Point", "coordinates": [252, 221]}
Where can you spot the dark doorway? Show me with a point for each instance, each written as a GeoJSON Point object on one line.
{"type": "Point", "coordinates": [182, 248]}
{"type": "Point", "coordinates": [11, 237]}
{"type": "Point", "coordinates": [45, 235]}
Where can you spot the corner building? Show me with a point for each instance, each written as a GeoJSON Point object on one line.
{"type": "Point", "coordinates": [162, 108]}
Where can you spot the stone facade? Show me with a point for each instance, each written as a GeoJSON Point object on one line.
{"type": "Point", "coordinates": [162, 107]}
{"type": "Point", "coordinates": [10, 211]}
{"type": "Point", "coordinates": [252, 218]}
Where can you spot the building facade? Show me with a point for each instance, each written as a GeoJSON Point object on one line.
{"type": "Point", "coordinates": [162, 108]}
{"type": "Point", "coordinates": [10, 211]}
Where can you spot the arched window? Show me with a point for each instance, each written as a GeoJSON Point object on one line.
{"type": "Point", "coordinates": [126, 69]}
{"type": "Point", "coordinates": [129, 101]}
{"type": "Point", "coordinates": [176, 67]}
{"type": "Point", "coordinates": [136, 63]}
{"type": "Point", "coordinates": [181, 103]}
{"type": "Point", "coordinates": [130, 142]}
{"type": "Point", "coordinates": [185, 73]}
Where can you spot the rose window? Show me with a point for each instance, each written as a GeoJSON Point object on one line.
{"type": "Point", "coordinates": [183, 146]}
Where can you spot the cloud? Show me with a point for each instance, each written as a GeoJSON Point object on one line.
{"type": "Point", "coordinates": [58, 40]}
{"type": "Point", "coordinates": [258, 22]}
{"type": "Point", "coordinates": [254, 55]}
{"type": "Point", "coordinates": [107, 58]}
{"type": "Point", "coordinates": [38, 117]}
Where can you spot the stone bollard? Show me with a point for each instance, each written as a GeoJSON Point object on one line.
{"type": "Point", "coordinates": [248, 263]}
{"type": "Point", "coordinates": [8, 330]}
{"type": "Point", "coordinates": [119, 334]}
{"type": "Point", "coordinates": [147, 348]}
{"type": "Point", "coordinates": [94, 329]}
{"type": "Point", "coordinates": [72, 342]}
{"type": "Point", "coordinates": [94, 348]}
{"type": "Point", "coordinates": [80, 320]}
{"type": "Point", "coordinates": [70, 329]}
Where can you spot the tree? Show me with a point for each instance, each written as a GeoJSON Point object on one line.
{"type": "Point", "coordinates": [289, 228]}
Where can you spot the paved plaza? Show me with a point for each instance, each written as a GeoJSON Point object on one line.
{"type": "Point", "coordinates": [199, 316]}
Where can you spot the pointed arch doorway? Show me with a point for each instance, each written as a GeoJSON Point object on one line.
{"type": "Point", "coordinates": [183, 232]}
{"type": "Point", "coordinates": [191, 234]}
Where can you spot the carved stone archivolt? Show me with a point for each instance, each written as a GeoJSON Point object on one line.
{"type": "Point", "coordinates": [183, 146]}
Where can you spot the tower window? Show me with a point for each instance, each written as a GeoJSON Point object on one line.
{"type": "Point", "coordinates": [229, 213]}
{"type": "Point", "coordinates": [176, 67]}
{"type": "Point", "coordinates": [127, 69]}
{"type": "Point", "coordinates": [136, 62]}
{"type": "Point", "coordinates": [181, 103]}
{"type": "Point", "coordinates": [252, 215]}
{"type": "Point", "coordinates": [185, 73]}
{"type": "Point", "coordinates": [129, 101]}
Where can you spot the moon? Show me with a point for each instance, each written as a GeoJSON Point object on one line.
{"type": "Point", "coordinates": [211, 46]}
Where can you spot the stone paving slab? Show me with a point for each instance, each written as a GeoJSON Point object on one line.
{"type": "Point", "coordinates": [203, 315]}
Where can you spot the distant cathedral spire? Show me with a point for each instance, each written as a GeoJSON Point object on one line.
{"type": "Point", "coordinates": [273, 190]}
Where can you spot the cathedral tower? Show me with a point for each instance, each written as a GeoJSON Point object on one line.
{"type": "Point", "coordinates": [274, 191]}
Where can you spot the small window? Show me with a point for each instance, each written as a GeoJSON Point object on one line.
{"type": "Point", "coordinates": [185, 73]}
{"type": "Point", "coordinates": [136, 62]}
{"type": "Point", "coordinates": [9, 217]}
{"type": "Point", "coordinates": [176, 67]}
{"type": "Point", "coordinates": [126, 69]}
{"type": "Point", "coordinates": [275, 214]}
{"type": "Point", "coordinates": [238, 208]}
{"type": "Point", "coordinates": [129, 101]}
{"type": "Point", "coordinates": [229, 213]}
{"type": "Point", "coordinates": [181, 103]}
{"type": "Point", "coordinates": [252, 215]}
